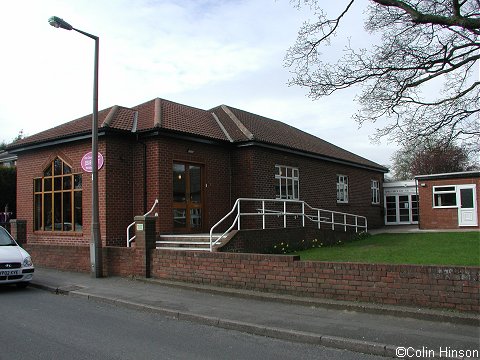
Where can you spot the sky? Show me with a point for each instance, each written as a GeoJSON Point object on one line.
{"type": "Point", "coordinates": [201, 53]}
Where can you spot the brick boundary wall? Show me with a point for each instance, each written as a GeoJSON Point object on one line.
{"type": "Point", "coordinates": [450, 287]}
{"type": "Point", "coordinates": [61, 257]}
{"type": "Point", "coordinates": [117, 261]}
{"type": "Point", "coordinates": [444, 287]}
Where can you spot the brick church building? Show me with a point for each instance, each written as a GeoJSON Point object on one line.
{"type": "Point", "coordinates": [195, 162]}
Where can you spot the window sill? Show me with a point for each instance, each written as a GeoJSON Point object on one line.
{"type": "Point", "coordinates": [57, 233]}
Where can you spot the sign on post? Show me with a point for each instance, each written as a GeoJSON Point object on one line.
{"type": "Point", "coordinates": [87, 162]}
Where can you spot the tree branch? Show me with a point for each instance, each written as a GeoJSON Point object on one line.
{"type": "Point", "coordinates": [421, 18]}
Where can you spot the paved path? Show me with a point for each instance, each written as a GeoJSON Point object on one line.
{"type": "Point", "coordinates": [399, 229]}
{"type": "Point", "coordinates": [367, 328]}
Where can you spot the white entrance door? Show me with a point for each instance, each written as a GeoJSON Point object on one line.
{"type": "Point", "coordinates": [467, 209]}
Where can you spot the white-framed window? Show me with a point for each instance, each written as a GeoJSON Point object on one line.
{"type": "Point", "coordinates": [375, 186]}
{"type": "Point", "coordinates": [286, 182]}
{"type": "Point", "coordinates": [342, 189]}
{"type": "Point", "coordinates": [445, 196]}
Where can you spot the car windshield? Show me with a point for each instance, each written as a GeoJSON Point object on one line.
{"type": "Point", "coordinates": [5, 239]}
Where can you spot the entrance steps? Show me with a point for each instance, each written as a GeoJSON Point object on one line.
{"type": "Point", "coordinates": [189, 242]}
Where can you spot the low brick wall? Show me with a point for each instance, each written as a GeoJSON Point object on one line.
{"type": "Point", "coordinates": [426, 286]}
{"type": "Point", "coordinates": [447, 287]}
{"type": "Point", "coordinates": [68, 258]}
{"type": "Point", "coordinates": [117, 261]}
{"type": "Point", "coordinates": [121, 261]}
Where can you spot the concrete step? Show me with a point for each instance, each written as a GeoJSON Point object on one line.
{"type": "Point", "coordinates": [183, 248]}
{"type": "Point", "coordinates": [191, 242]}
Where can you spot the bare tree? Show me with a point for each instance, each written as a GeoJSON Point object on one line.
{"type": "Point", "coordinates": [425, 44]}
{"type": "Point", "coordinates": [433, 156]}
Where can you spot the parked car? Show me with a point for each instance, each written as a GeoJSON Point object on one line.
{"type": "Point", "coordinates": [16, 266]}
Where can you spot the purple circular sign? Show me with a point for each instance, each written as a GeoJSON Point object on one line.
{"type": "Point", "coordinates": [87, 162]}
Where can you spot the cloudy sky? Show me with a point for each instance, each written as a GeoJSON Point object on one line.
{"type": "Point", "coordinates": [201, 53]}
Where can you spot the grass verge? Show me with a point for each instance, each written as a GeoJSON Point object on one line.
{"type": "Point", "coordinates": [442, 248]}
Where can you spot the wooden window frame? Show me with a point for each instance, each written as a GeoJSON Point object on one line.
{"type": "Point", "coordinates": [57, 181]}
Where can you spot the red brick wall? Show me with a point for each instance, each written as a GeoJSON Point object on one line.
{"type": "Point", "coordinates": [216, 163]}
{"type": "Point", "coordinates": [436, 218]}
{"type": "Point", "coordinates": [119, 189]}
{"type": "Point", "coordinates": [282, 241]}
{"type": "Point", "coordinates": [32, 164]}
{"type": "Point", "coordinates": [448, 287]}
{"type": "Point", "coordinates": [117, 261]}
{"type": "Point", "coordinates": [427, 286]}
{"type": "Point", "coordinates": [254, 170]}
{"type": "Point", "coordinates": [67, 258]}
{"type": "Point", "coordinates": [229, 174]}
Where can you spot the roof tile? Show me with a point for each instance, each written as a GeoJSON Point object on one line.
{"type": "Point", "coordinates": [239, 125]}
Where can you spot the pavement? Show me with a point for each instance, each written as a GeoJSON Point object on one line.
{"type": "Point", "coordinates": [361, 327]}
{"type": "Point", "coordinates": [399, 229]}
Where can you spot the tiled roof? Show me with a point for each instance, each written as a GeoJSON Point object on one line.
{"type": "Point", "coordinates": [222, 123]}
{"type": "Point", "coordinates": [275, 132]}
{"type": "Point", "coordinates": [72, 128]}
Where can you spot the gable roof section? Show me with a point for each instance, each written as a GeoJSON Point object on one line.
{"type": "Point", "coordinates": [120, 118]}
{"type": "Point", "coordinates": [222, 123]}
{"type": "Point", "coordinates": [277, 133]}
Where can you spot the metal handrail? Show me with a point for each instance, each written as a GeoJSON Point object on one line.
{"type": "Point", "coordinates": [130, 239]}
{"type": "Point", "coordinates": [237, 218]}
{"type": "Point", "coordinates": [317, 218]}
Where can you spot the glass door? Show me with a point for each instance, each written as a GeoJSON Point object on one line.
{"type": "Point", "coordinates": [187, 197]}
{"type": "Point", "coordinates": [414, 208]}
{"type": "Point", "coordinates": [404, 209]}
{"type": "Point", "coordinates": [401, 209]}
{"type": "Point", "coordinates": [391, 204]}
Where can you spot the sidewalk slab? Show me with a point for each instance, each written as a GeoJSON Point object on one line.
{"type": "Point", "coordinates": [366, 328]}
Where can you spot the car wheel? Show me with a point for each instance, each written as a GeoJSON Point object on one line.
{"type": "Point", "coordinates": [22, 285]}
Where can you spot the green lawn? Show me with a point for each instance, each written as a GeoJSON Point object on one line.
{"type": "Point", "coordinates": [456, 248]}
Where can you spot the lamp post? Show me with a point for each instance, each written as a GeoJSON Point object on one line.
{"type": "Point", "coordinates": [95, 241]}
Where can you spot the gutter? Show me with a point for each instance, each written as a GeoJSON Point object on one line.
{"type": "Point", "coordinates": [48, 143]}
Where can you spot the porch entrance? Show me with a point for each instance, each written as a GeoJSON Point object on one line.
{"type": "Point", "coordinates": [401, 209]}
{"type": "Point", "coordinates": [188, 185]}
{"type": "Point", "coordinates": [401, 202]}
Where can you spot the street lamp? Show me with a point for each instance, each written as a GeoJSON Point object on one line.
{"type": "Point", "coordinates": [95, 241]}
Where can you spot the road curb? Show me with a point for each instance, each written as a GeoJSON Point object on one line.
{"type": "Point", "coordinates": [61, 290]}
{"type": "Point", "coordinates": [250, 328]}
{"type": "Point", "coordinates": [370, 308]}
{"type": "Point", "coordinates": [355, 345]}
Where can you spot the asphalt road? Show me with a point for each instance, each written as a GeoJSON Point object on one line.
{"type": "Point", "coordinates": [35, 324]}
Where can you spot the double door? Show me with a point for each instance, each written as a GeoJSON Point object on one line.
{"type": "Point", "coordinates": [188, 185]}
{"type": "Point", "coordinates": [401, 209]}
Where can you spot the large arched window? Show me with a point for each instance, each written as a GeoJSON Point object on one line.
{"type": "Point", "coordinates": [58, 199]}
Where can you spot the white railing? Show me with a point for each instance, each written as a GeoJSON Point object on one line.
{"type": "Point", "coordinates": [130, 239]}
{"type": "Point", "coordinates": [305, 212]}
